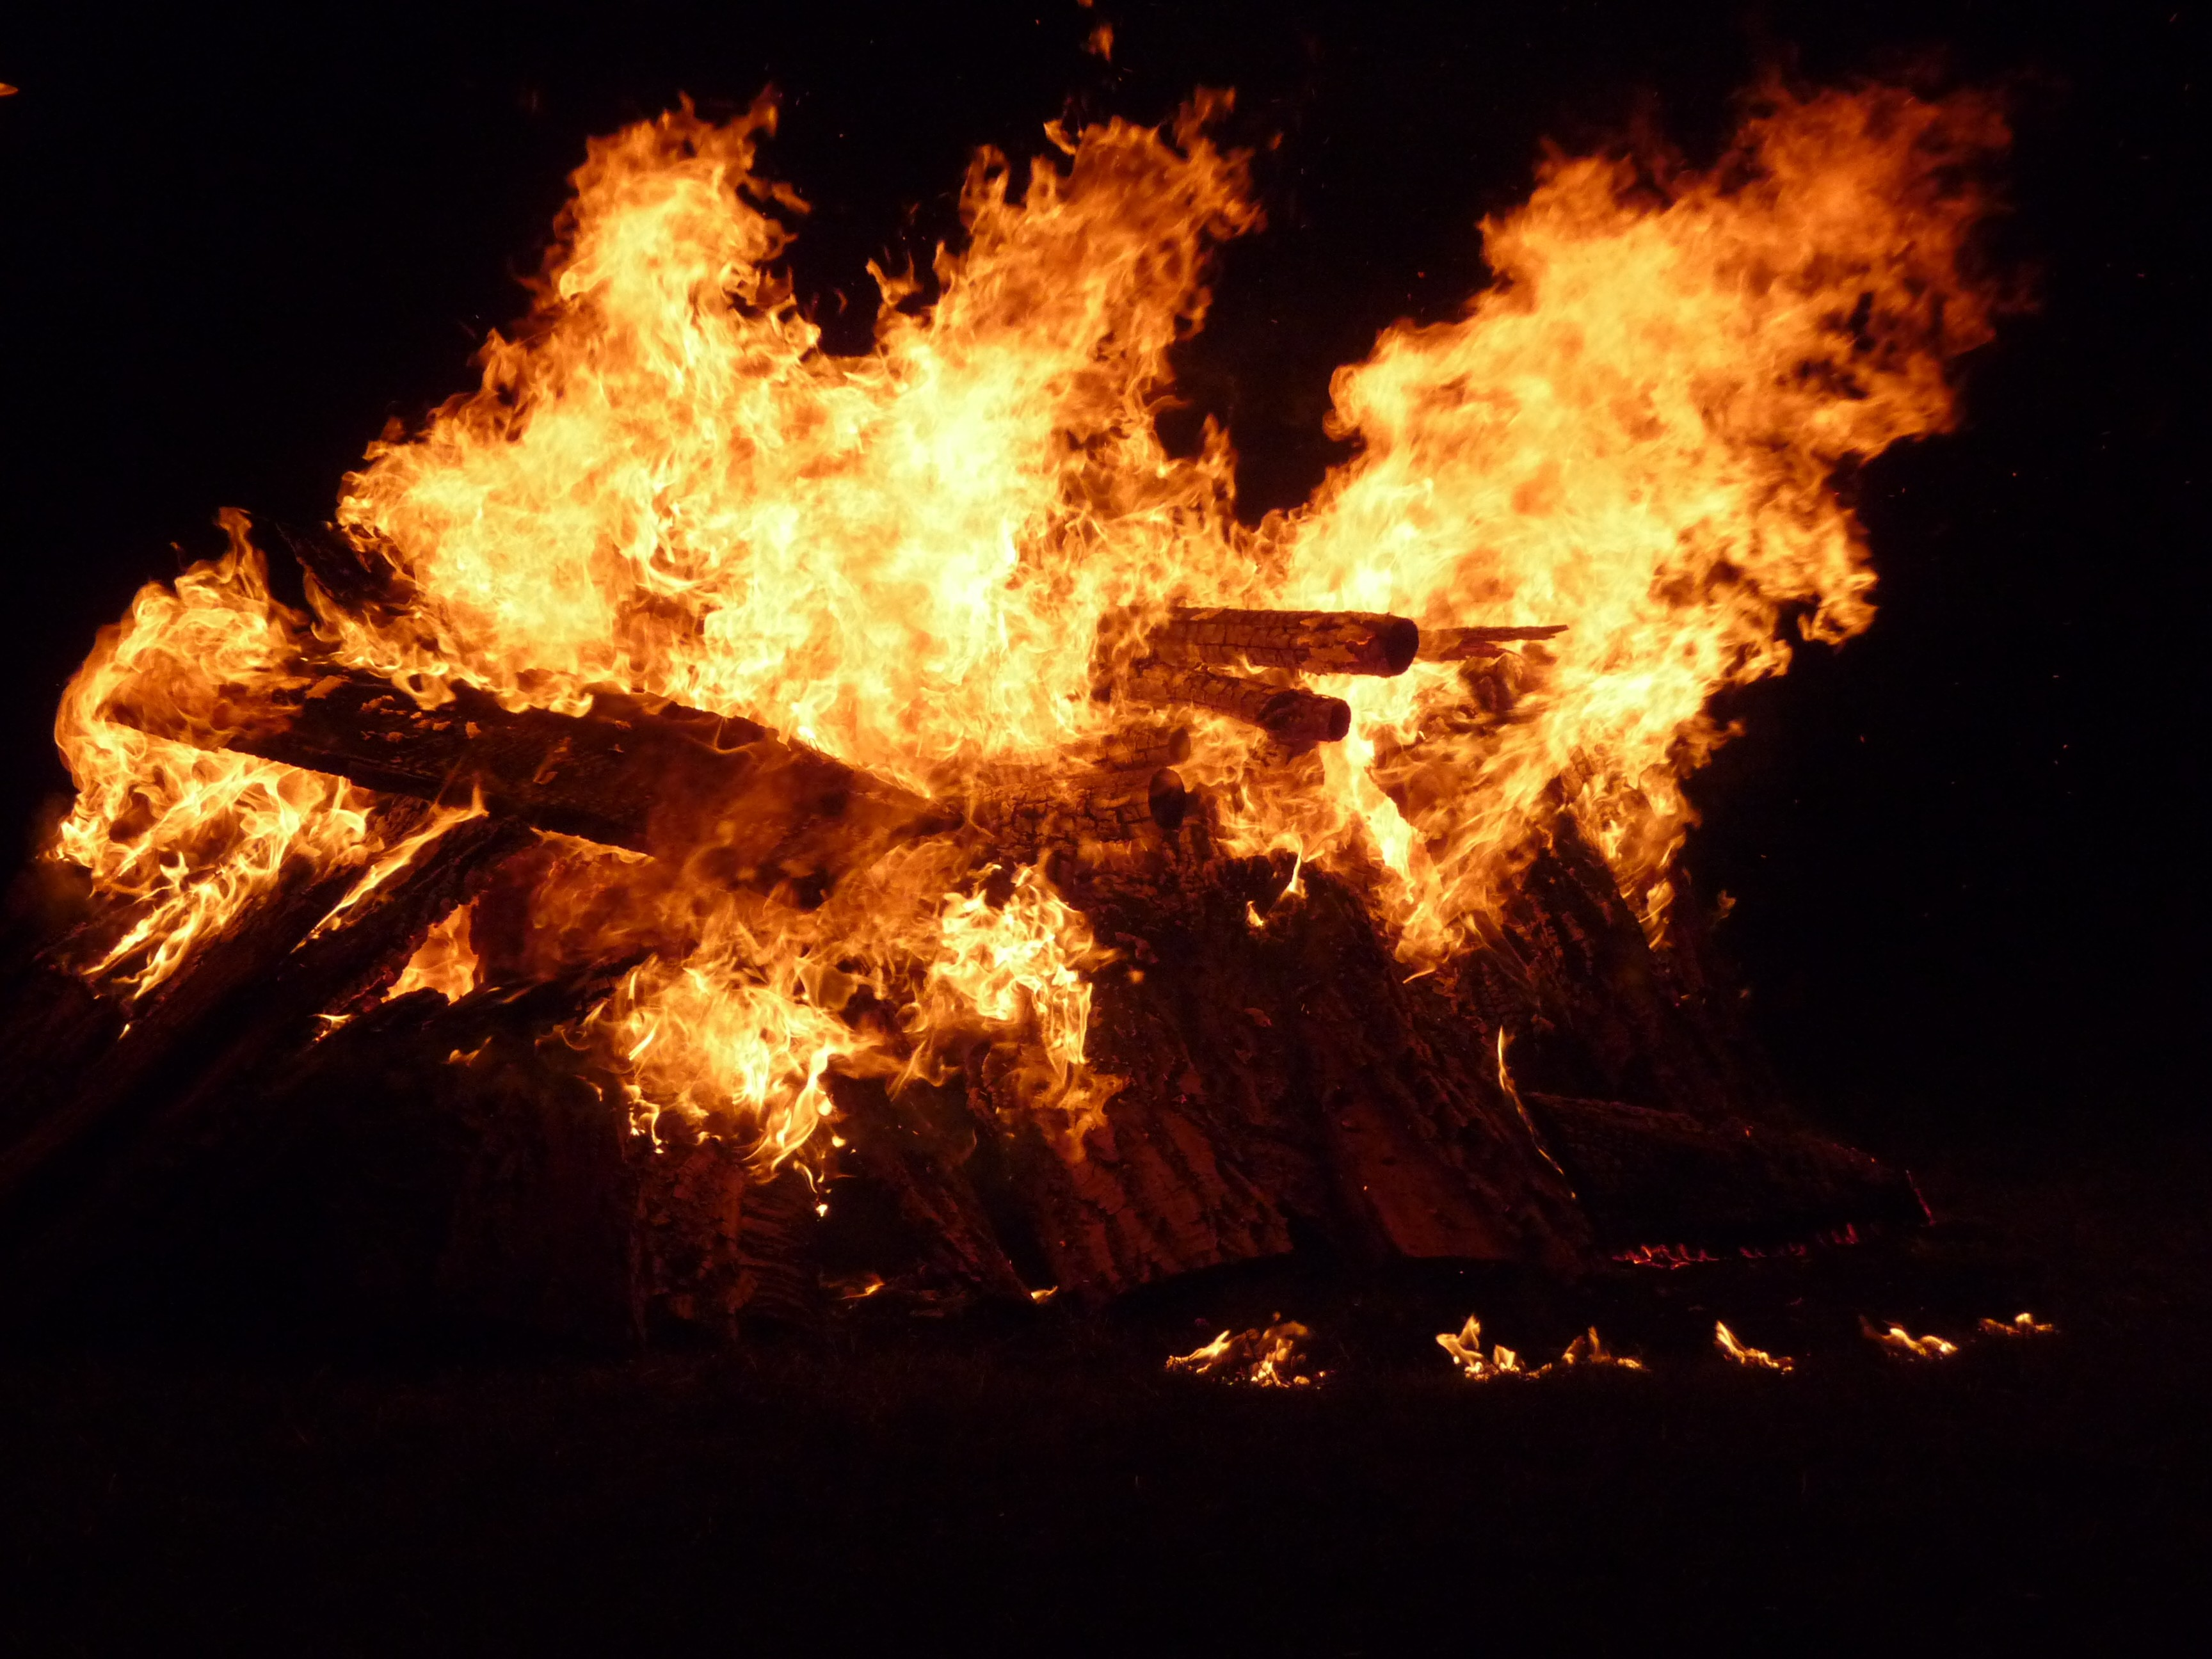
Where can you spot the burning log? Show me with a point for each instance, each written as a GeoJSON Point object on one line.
{"type": "Point", "coordinates": [1458, 644]}
{"type": "Point", "coordinates": [1302, 641]}
{"type": "Point", "coordinates": [647, 777]}
{"type": "Point", "coordinates": [1286, 714]}
{"type": "Point", "coordinates": [1101, 806]}
{"type": "Point", "coordinates": [1134, 748]}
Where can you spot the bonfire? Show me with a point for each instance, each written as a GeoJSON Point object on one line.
{"type": "Point", "coordinates": [730, 814]}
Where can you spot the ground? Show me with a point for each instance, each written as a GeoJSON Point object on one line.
{"type": "Point", "coordinates": [1045, 1487]}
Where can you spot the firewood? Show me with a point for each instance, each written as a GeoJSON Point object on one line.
{"type": "Point", "coordinates": [150, 1108]}
{"type": "Point", "coordinates": [1284, 713]}
{"type": "Point", "coordinates": [1458, 644]}
{"type": "Point", "coordinates": [922, 1166]}
{"type": "Point", "coordinates": [1144, 747]}
{"type": "Point", "coordinates": [1274, 1075]}
{"type": "Point", "coordinates": [1305, 642]}
{"type": "Point", "coordinates": [191, 1014]}
{"type": "Point", "coordinates": [646, 777]}
{"type": "Point", "coordinates": [1023, 819]}
{"type": "Point", "coordinates": [1667, 1179]}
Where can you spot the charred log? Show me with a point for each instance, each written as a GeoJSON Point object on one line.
{"type": "Point", "coordinates": [1286, 714]}
{"type": "Point", "coordinates": [923, 1164]}
{"type": "Point", "coordinates": [1459, 644]}
{"type": "Point", "coordinates": [1103, 806]}
{"type": "Point", "coordinates": [649, 777]}
{"type": "Point", "coordinates": [1303, 642]}
{"type": "Point", "coordinates": [119, 1145]}
{"type": "Point", "coordinates": [177, 1027]}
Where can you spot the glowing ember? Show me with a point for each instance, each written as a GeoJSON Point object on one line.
{"type": "Point", "coordinates": [1271, 1358]}
{"type": "Point", "coordinates": [2020, 1324]}
{"type": "Point", "coordinates": [1895, 1339]}
{"type": "Point", "coordinates": [1753, 1358]}
{"type": "Point", "coordinates": [665, 488]}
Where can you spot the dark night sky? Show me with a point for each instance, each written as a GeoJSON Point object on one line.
{"type": "Point", "coordinates": [1964, 848]}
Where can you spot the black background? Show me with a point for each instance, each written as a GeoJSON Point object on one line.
{"type": "Point", "coordinates": [1965, 848]}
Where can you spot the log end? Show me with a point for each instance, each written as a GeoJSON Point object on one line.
{"type": "Point", "coordinates": [1293, 718]}
{"type": "Point", "coordinates": [1168, 800]}
{"type": "Point", "coordinates": [1398, 638]}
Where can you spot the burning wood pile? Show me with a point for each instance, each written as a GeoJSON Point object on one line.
{"type": "Point", "coordinates": [731, 822]}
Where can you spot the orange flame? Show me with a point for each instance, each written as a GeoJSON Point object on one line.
{"type": "Point", "coordinates": [1756, 1359]}
{"type": "Point", "coordinates": [1271, 1358]}
{"type": "Point", "coordinates": [1586, 1352]}
{"type": "Point", "coordinates": [1895, 1339]}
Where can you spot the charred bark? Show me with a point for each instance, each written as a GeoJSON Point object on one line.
{"type": "Point", "coordinates": [1285, 713]}
{"type": "Point", "coordinates": [653, 778]}
{"type": "Point", "coordinates": [1303, 642]}
{"type": "Point", "coordinates": [1026, 819]}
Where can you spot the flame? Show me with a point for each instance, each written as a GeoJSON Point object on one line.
{"type": "Point", "coordinates": [2020, 1324]}
{"type": "Point", "coordinates": [1756, 1359]}
{"type": "Point", "coordinates": [1587, 1352]}
{"type": "Point", "coordinates": [188, 837]}
{"type": "Point", "coordinates": [1465, 1348]}
{"type": "Point", "coordinates": [1271, 1358]}
{"type": "Point", "coordinates": [445, 962]}
{"type": "Point", "coordinates": [662, 483]}
{"type": "Point", "coordinates": [1019, 969]}
{"type": "Point", "coordinates": [1895, 1339]}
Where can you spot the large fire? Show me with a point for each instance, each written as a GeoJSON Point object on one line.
{"type": "Point", "coordinates": [665, 487]}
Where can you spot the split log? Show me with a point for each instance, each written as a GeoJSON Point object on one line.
{"type": "Point", "coordinates": [650, 777]}
{"type": "Point", "coordinates": [1458, 644]}
{"type": "Point", "coordinates": [1284, 713]}
{"type": "Point", "coordinates": [175, 1027]}
{"type": "Point", "coordinates": [142, 1117]}
{"type": "Point", "coordinates": [1592, 1010]}
{"type": "Point", "coordinates": [1303, 642]}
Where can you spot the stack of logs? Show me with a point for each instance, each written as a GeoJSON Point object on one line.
{"type": "Point", "coordinates": [269, 1119]}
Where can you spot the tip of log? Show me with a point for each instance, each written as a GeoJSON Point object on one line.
{"type": "Point", "coordinates": [1400, 638]}
{"type": "Point", "coordinates": [1168, 800]}
{"type": "Point", "coordinates": [1299, 717]}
